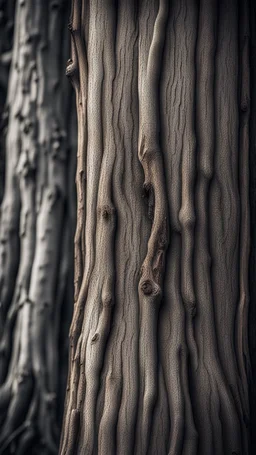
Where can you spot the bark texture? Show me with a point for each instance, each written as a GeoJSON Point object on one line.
{"type": "Point", "coordinates": [35, 230]}
{"type": "Point", "coordinates": [252, 263]}
{"type": "Point", "coordinates": [159, 360]}
{"type": "Point", "coordinates": [6, 39]}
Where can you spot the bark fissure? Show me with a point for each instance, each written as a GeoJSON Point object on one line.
{"type": "Point", "coordinates": [150, 284]}
{"type": "Point", "coordinates": [158, 344]}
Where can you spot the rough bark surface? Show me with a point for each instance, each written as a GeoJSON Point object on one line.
{"type": "Point", "coordinates": [159, 360]}
{"type": "Point", "coordinates": [34, 230]}
{"type": "Point", "coordinates": [6, 41]}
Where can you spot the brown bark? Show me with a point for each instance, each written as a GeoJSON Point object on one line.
{"type": "Point", "coordinates": [159, 358]}
{"type": "Point", "coordinates": [34, 232]}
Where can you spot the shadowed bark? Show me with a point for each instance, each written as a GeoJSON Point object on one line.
{"type": "Point", "coordinates": [35, 230]}
{"type": "Point", "coordinates": [6, 39]}
{"type": "Point", "coordinates": [252, 264]}
{"type": "Point", "coordinates": [159, 360]}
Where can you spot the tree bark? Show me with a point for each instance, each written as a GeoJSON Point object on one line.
{"type": "Point", "coordinates": [159, 360]}
{"type": "Point", "coordinates": [6, 41]}
{"type": "Point", "coordinates": [35, 248]}
{"type": "Point", "coordinates": [252, 263]}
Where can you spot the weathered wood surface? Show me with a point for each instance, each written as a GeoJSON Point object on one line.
{"type": "Point", "coordinates": [159, 360]}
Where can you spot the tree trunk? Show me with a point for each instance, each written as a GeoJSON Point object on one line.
{"type": "Point", "coordinates": [6, 41]}
{"type": "Point", "coordinates": [159, 360]}
{"type": "Point", "coordinates": [35, 230]}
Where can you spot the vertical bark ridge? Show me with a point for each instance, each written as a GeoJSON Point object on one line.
{"type": "Point", "coordinates": [178, 65]}
{"type": "Point", "coordinates": [187, 211]}
{"type": "Point", "coordinates": [99, 315]}
{"type": "Point", "coordinates": [97, 289]}
{"type": "Point", "coordinates": [81, 94]}
{"type": "Point", "coordinates": [7, 11]}
{"type": "Point", "coordinates": [190, 444]}
{"type": "Point", "coordinates": [172, 330]}
{"type": "Point", "coordinates": [118, 414]}
{"type": "Point", "coordinates": [10, 208]}
{"type": "Point", "coordinates": [111, 402]}
{"type": "Point", "coordinates": [244, 105]}
{"type": "Point", "coordinates": [209, 361]}
{"type": "Point", "coordinates": [77, 71]}
{"type": "Point", "coordinates": [101, 300]}
{"type": "Point", "coordinates": [252, 200]}
{"type": "Point", "coordinates": [123, 370]}
{"type": "Point", "coordinates": [205, 131]}
{"type": "Point", "coordinates": [93, 160]}
{"type": "Point", "coordinates": [78, 74]}
{"type": "Point", "coordinates": [224, 200]}
{"type": "Point", "coordinates": [150, 284]}
{"type": "Point", "coordinates": [161, 420]}
{"type": "Point", "coordinates": [224, 190]}
{"type": "Point", "coordinates": [160, 379]}
{"type": "Point", "coordinates": [187, 165]}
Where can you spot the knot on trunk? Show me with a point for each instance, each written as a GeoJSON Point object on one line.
{"type": "Point", "coordinates": [95, 337]}
{"type": "Point", "coordinates": [149, 287]}
{"type": "Point", "coordinates": [106, 212]}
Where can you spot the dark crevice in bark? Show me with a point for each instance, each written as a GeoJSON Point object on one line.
{"type": "Point", "coordinates": [252, 200]}
{"type": "Point", "coordinates": [171, 374]}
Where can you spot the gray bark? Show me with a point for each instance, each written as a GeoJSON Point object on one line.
{"type": "Point", "coordinates": [6, 39]}
{"type": "Point", "coordinates": [159, 359]}
{"type": "Point", "coordinates": [35, 229]}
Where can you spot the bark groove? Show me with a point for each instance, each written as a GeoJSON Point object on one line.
{"type": "Point", "coordinates": [159, 360]}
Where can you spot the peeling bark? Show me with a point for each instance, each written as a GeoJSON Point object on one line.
{"type": "Point", "coordinates": [159, 360]}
